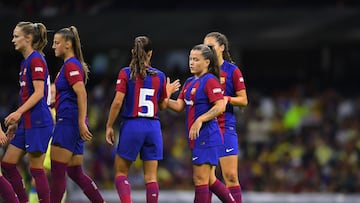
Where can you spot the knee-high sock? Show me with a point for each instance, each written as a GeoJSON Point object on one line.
{"type": "Point", "coordinates": [58, 181]}
{"type": "Point", "coordinates": [7, 192]}
{"type": "Point", "coordinates": [152, 192]}
{"type": "Point", "coordinates": [236, 193]}
{"type": "Point", "coordinates": [41, 184]}
{"type": "Point", "coordinates": [222, 192]}
{"type": "Point", "coordinates": [201, 193]}
{"type": "Point", "coordinates": [123, 188]}
{"type": "Point", "coordinates": [12, 174]}
{"type": "Point", "coordinates": [88, 186]}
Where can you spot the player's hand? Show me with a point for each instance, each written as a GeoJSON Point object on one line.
{"type": "Point", "coordinates": [3, 138]}
{"type": "Point", "coordinates": [84, 132]}
{"type": "Point", "coordinates": [195, 129]}
{"type": "Point", "coordinates": [10, 132]}
{"type": "Point", "coordinates": [172, 87]}
{"type": "Point", "coordinates": [12, 118]}
{"type": "Point", "coordinates": [109, 136]}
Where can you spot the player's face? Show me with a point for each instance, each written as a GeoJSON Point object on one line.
{"type": "Point", "coordinates": [211, 41]}
{"type": "Point", "coordinates": [59, 45]}
{"type": "Point", "coordinates": [20, 40]}
{"type": "Point", "coordinates": [198, 64]}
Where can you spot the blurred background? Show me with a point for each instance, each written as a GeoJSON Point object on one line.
{"type": "Point", "coordinates": [299, 58]}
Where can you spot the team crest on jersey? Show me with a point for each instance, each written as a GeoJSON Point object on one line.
{"type": "Point", "coordinates": [222, 80]}
{"type": "Point", "coordinates": [193, 90]}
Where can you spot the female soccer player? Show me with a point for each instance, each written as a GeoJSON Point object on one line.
{"type": "Point", "coordinates": [6, 191]}
{"type": "Point", "coordinates": [141, 90]}
{"type": "Point", "coordinates": [71, 130]}
{"type": "Point", "coordinates": [233, 86]}
{"type": "Point", "coordinates": [33, 118]}
{"type": "Point", "coordinates": [202, 97]}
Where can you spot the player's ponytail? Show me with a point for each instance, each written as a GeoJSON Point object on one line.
{"type": "Point", "coordinates": [71, 34]}
{"type": "Point", "coordinates": [139, 57]}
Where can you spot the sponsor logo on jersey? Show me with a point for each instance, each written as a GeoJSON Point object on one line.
{"type": "Point", "coordinates": [217, 90]}
{"type": "Point", "coordinates": [241, 79]}
{"type": "Point", "coordinates": [39, 69]}
{"type": "Point", "coordinates": [75, 72]}
{"type": "Point", "coordinates": [118, 81]}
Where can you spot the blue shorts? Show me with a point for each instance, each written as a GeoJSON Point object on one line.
{"type": "Point", "coordinates": [231, 145]}
{"type": "Point", "coordinates": [140, 135]}
{"type": "Point", "coordinates": [209, 155]}
{"type": "Point", "coordinates": [68, 137]}
{"type": "Point", "coordinates": [33, 139]}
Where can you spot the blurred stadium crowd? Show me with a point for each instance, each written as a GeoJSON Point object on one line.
{"type": "Point", "coordinates": [297, 138]}
{"type": "Point", "coordinates": [294, 140]}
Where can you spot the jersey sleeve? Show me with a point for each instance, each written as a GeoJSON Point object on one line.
{"type": "Point", "coordinates": [213, 90]}
{"type": "Point", "coordinates": [38, 69]}
{"type": "Point", "coordinates": [121, 82]}
{"type": "Point", "coordinates": [73, 73]}
{"type": "Point", "coordinates": [163, 94]}
{"type": "Point", "coordinates": [238, 80]}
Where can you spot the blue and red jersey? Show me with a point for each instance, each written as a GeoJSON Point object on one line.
{"type": "Point", "coordinates": [66, 104]}
{"type": "Point", "coordinates": [231, 80]}
{"type": "Point", "coordinates": [33, 68]}
{"type": "Point", "coordinates": [199, 95]}
{"type": "Point", "coordinates": [141, 95]}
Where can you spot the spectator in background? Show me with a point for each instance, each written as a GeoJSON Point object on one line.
{"type": "Point", "coordinates": [202, 97]}
{"type": "Point", "coordinates": [140, 93]}
{"type": "Point", "coordinates": [71, 129]}
{"type": "Point", "coordinates": [32, 120]}
{"type": "Point", "coordinates": [233, 87]}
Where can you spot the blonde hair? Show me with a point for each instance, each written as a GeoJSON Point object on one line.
{"type": "Point", "coordinates": [39, 33]}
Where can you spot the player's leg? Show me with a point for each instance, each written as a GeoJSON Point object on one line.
{"type": "Point", "coordinates": [150, 178]}
{"type": "Point", "coordinates": [7, 193]}
{"type": "Point", "coordinates": [229, 167]}
{"type": "Point", "coordinates": [88, 186]}
{"type": "Point", "coordinates": [151, 152]}
{"type": "Point", "coordinates": [37, 140]}
{"type": "Point", "coordinates": [123, 187]}
{"type": "Point", "coordinates": [60, 157]}
{"type": "Point", "coordinates": [12, 156]}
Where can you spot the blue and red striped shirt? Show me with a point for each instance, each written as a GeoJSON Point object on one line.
{"type": "Point", "coordinates": [199, 95]}
{"type": "Point", "coordinates": [33, 68]}
{"type": "Point", "coordinates": [66, 104]}
{"type": "Point", "coordinates": [141, 95]}
{"type": "Point", "coordinates": [231, 80]}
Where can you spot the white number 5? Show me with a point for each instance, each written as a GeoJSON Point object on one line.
{"type": "Point", "coordinates": [144, 102]}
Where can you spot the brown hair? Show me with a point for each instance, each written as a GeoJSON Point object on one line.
{"type": "Point", "coordinates": [222, 40]}
{"type": "Point", "coordinates": [71, 34]}
{"type": "Point", "coordinates": [142, 46]}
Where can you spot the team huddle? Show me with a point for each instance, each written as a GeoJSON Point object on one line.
{"type": "Point", "coordinates": [208, 98]}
